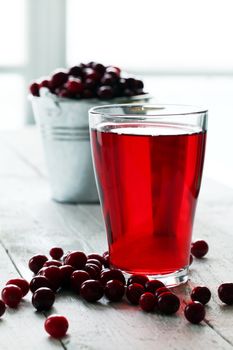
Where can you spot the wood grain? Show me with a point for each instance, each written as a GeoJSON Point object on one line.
{"type": "Point", "coordinates": [32, 223]}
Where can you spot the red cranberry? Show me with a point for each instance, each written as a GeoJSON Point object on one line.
{"type": "Point", "coordinates": [21, 283]}
{"type": "Point", "coordinates": [128, 93]}
{"type": "Point", "coordinates": [91, 290]}
{"type": "Point", "coordinates": [199, 249]}
{"type": "Point", "coordinates": [37, 262]}
{"type": "Point", "coordinates": [153, 285]}
{"type": "Point", "coordinates": [75, 86]}
{"type": "Point", "coordinates": [76, 71]}
{"type": "Point", "coordinates": [64, 93]}
{"type": "Point", "coordinates": [114, 274]}
{"type": "Point", "coordinates": [168, 303]}
{"type": "Point", "coordinates": [92, 74]}
{"type": "Point", "coordinates": [53, 273]}
{"type": "Point", "coordinates": [56, 326]}
{"type": "Point", "coordinates": [190, 259]}
{"type": "Point", "coordinates": [76, 259]}
{"type": "Point", "coordinates": [66, 272]}
{"type": "Point", "coordinates": [140, 279]}
{"type": "Point", "coordinates": [34, 89]}
{"type": "Point", "coordinates": [95, 262]}
{"type": "Point", "coordinates": [2, 308]}
{"type": "Point", "coordinates": [93, 271]}
{"type": "Point", "coordinates": [39, 282]}
{"type": "Point", "coordinates": [113, 70]}
{"type": "Point", "coordinates": [161, 290]}
{"type": "Point", "coordinates": [106, 261]}
{"type": "Point", "coordinates": [139, 84]}
{"type": "Point", "coordinates": [105, 92]}
{"type": "Point", "coordinates": [12, 295]}
{"type": "Point", "coordinates": [58, 79]}
{"type": "Point", "coordinates": [225, 293]}
{"type": "Point", "coordinates": [96, 257]}
{"type": "Point", "coordinates": [114, 290]}
{"type": "Point", "coordinates": [108, 79]}
{"type": "Point", "coordinates": [56, 253]}
{"type": "Point", "coordinates": [201, 294]}
{"type": "Point", "coordinates": [147, 301]}
{"type": "Point", "coordinates": [131, 83]}
{"type": "Point", "coordinates": [43, 299]}
{"type": "Point", "coordinates": [44, 83]}
{"type": "Point", "coordinates": [98, 67]}
{"type": "Point", "coordinates": [194, 312]}
{"type": "Point", "coordinates": [52, 263]}
{"type": "Point", "coordinates": [77, 278]}
{"type": "Point", "coordinates": [133, 293]}
{"type": "Point", "coordinates": [90, 83]}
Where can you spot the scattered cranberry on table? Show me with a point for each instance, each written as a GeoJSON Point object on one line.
{"type": "Point", "coordinates": [134, 292]}
{"type": "Point", "coordinates": [114, 290]}
{"type": "Point", "coordinates": [199, 249]}
{"type": "Point", "coordinates": [225, 293]}
{"type": "Point", "coordinates": [93, 270]}
{"type": "Point", "coordinates": [39, 282]}
{"type": "Point", "coordinates": [21, 283]}
{"type": "Point", "coordinates": [153, 285]}
{"type": "Point", "coordinates": [194, 312]}
{"type": "Point", "coordinates": [66, 272]}
{"type": "Point", "coordinates": [56, 253]}
{"type": "Point", "coordinates": [2, 308]}
{"type": "Point", "coordinates": [161, 290]}
{"type": "Point", "coordinates": [12, 295]}
{"type": "Point", "coordinates": [113, 274]}
{"type": "Point", "coordinates": [76, 259]}
{"type": "Point", "coordinates": [95, 262]}
{"type": "Point", "coordinates": [77, 278]}
{"type": "Point", "coordinates": [147, 302]}
{"type": "Point", "coordinates": [190, 259]}
{"type": "Point", "coordinates": [43, 299]}
{"type": "Point", "coordinates": [52, 262]}
{"type": "Point", "coordinates": [168, 303]}
{"type": "Point", "coordinates": [201, 294]}
{"type": "Point", "coordinates": [140, 279]}
{"type": "Point", "coordinates": [37, 262]}
{"type": "Point", "coordinates": [91, 290]}
{"type": "Point", "coordinates": [53, 274]}
{"type": "Point", "coordinates": [56, 326]}
{"type": "Point", "coordinates": [96, 257]}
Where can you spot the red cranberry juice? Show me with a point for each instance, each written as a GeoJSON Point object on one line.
{"type": "Point", "coordinates": [148, 179]}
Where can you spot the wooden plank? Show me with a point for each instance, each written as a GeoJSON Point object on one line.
{"type": "Point", "coordinates": [39, 223]}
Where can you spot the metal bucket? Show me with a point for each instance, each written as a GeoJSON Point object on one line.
{"type": "Point", "coordinates": [65, 133]}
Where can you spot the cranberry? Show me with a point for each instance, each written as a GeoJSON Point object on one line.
{"type": "Point", "coordinates": [108, 79]}
{"type": "Point", "coordinates": [96, 257]}
{"type": "Point", "coordinates": [12, 295]}
{"type": "Point", "coordinates": [114, 290]}
{"type": "Point", "coordinates": [98, 67]}
{"type": "Point", "coordinates": [199, 249]}
{"type": "Point", "coordinates": [139, 84]}
{"type": "Point", "coordinates": [34, 89]}
{"type": "Point", "coordinates": [66, 272]}
{"type": "Point", "coordinates": [91, 290]}
{"type": "Point", "coordinates": [56, 326]}
{"type": "Point", "coordinates": [56, 253]}
{"type": "Point", "coordinates": [190, 259]}
{"type": "Point", "coordinates": [168, 303]}
{"type": "Point", "coordinates": [133, 293]}
{"type": "Point", "coordinates": [147, 301]}
{"type": "Point", "coordinates": [76, 259]}
{"type": "Point", "coordinates": [93, 271]}
{"type": "Point", "coordinates": [114, 274]}
{"type": "Point", "coordinates": [75, 86]}
{"type": "Point", "coordinates": [75, 71]}
{"type": "Point", "coordinates": [52, 263]}
{"type": "Point", "coordinates": [106, 262]}
{"type": "Point", "coordinates": [64, 93]}
{"type": "Point", "coordinates": [37, 262]}
{"type": "Point", "coordinates": [44, 83]}
{"type": "Point", "coordinates": [140, 279]}
{"type": "Point", "coordinates": [194, 312]}
{"type": "Point", "coordinates": [95, 262]}
{"type": "Point", "coordinates": [153, 285]}
{"type": "Point", "coordinates": [38, 282]}
{"type": "Point", "coordinates": [90, 84]}
{"type": "Point", "coordinates": [21, 283]}
{"type": "Point", "coordinates": [201, 294]}
{"type": "Point", "coordinates": [53, 273]}
{"type": "Point", "coordinates": [113, 70]}
{"type": "Point", "coordinates": [225, 293]}
{"type": "Point", "coordinates": [77, 278]}
{"type": "Point", "coordinates": [2, 308]}
{"type": "Point", "coordinates": [87, 93]}
{"type": "Point", "coordinates": [58, 79]}
{"type": "Point", "coordinates": [128, 93]}
{"type": "Point", "coordinates": [161, 290]}
{"type": "Point", "coordinates": [105, 92]}
{"type": "Point", "coordinates": [92, 74]}
{"type": "Point", "coordinates": [43, 299]}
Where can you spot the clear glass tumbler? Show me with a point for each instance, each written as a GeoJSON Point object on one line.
{"type": "Point", "coordinates": [148, 162]}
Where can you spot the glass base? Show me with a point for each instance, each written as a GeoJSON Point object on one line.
{"type": "Point", "coordinates": [171, 279]}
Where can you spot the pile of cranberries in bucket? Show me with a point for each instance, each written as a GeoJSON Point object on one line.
{"type": "Point", "coordinates": [91, 278]}
{"type": "Point", "coordinates": [91, 80]}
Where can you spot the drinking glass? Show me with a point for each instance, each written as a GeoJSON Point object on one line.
{"type": "Point", "coordinates": [148, 162]}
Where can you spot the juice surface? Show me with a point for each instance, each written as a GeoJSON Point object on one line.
{"type": "Point", "coordinates": [149, 178]}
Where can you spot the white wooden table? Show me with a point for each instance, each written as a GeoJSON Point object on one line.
{"type": "Point", "coordinates": [32, 223]}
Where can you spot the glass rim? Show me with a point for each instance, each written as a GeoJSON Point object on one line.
{"type": "Point", "coordinates": [149, 110]}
